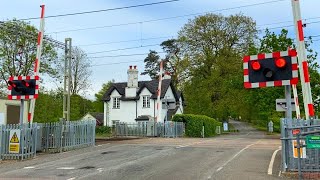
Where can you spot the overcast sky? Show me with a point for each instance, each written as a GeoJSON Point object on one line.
{"type": "Point", "coordinates": [145, 33]}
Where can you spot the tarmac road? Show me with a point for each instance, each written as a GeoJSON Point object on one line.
{"type": "Point", "coordinates": [243, 155]}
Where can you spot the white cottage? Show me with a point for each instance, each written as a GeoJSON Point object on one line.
{"type": "Point", "coordinates": [135, 100]}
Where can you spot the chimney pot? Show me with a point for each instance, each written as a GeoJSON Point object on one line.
{"type": "Point", "coordinates": [130, 67]}
{"type": "Point", "coordinates": [135, 67]}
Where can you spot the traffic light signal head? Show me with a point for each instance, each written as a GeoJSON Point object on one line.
{"type": "Point", "coordinates": [23, 87]}
{"type": "Point", "coordinates": [273, 69]}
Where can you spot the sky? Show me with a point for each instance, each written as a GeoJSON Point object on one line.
{"type": "Point", "coordinates": [127, 29]}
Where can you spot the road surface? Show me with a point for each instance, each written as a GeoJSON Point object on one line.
{"type": "Point", "coordinates": [243, 155]}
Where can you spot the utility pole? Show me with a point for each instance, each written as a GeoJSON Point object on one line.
{"type": "Point", "coordinates": [67, 80]}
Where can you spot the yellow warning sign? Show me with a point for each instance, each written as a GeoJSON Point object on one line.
{"type": "Point", "coordinates": [14, 138]}
{"type": "Point", "coordinates": [14, 142]}
{"type": "Point", "coordinates": [14, 148]}
{"type": "Point", "coordinates": [295, 149]}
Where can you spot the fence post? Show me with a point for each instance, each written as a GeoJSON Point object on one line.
{"type": "Point", "coordinates": [299, 154]}
{"type": "Point", "coordinates": [283, 142]}
{"type": "Point", "coordinates": [1, 141]}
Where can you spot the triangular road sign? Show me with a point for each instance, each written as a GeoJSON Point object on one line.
{"type": "Point", "coordinates": [14, 138]}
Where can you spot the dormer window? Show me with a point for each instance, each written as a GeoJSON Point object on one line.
{"type": "Point", "coordinates": [146, 101]}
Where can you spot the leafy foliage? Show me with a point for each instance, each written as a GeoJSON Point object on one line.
{"type": "Point", "coordinates": [49, 106]}
{"type": "Point", "coordinates": [173, 64]}
{"type": "Point", "coordinates": [98, 104]}
{"type": "Point", "coordinates": [18, 47]}
{"type": "Point", "coordinates": [213, 46]}
{"type": "Point", "coordinates": [80, 71]}
{"type": "Point", "coordinates": [103, 130]}
{"type": "Point", "coordinates": [194, 124]}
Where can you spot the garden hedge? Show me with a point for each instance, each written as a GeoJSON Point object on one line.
{"type": "Point", "coordinates": [103, 130]}
{"type": "Point", "coordinates": [194, 123]}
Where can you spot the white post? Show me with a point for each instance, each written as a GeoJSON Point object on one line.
{"type": "Point", "coordinates": [296, 100]}
{"type": "Point", "coordinates": [302, 59]}
{"type": "Point", "coordinates": [105, 106]}
{"type": "Point", "coordinates": [159, 104]}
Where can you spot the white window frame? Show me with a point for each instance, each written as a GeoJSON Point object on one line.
{"type": "Point", "coordinates": [146, 101]}
{"type": "Point", "coordinates": [116, 102]}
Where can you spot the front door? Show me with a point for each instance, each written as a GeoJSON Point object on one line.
{"type": "Point", "coordinates": [13, 114]}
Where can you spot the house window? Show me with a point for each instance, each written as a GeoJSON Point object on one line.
{"type": "Point", "coordinates": [116, 103]}
{"type": "Point", "coordinates": [146, 101]}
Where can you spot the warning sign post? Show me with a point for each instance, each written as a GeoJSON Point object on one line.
{"type": "Point", "coordinates": [14, 141]}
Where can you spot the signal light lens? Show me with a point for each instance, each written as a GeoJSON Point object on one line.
{"type": "Point", "coordinates": [256, 65]}
{"type": "Point", "coordinates": [280, 62]}
{"type": "Point", "coordinates": [268, 73]}
{"type": "Point", "coordinates": [25, 83]}
{"type": "Point", "coordinates": [12, 84]}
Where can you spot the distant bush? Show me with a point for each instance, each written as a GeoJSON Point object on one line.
{"type": "Point", "coordinates": [194, 123]}
{"type": "Point", "coordinates": [103, 130]}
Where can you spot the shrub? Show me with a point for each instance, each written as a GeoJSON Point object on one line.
{"type": "Point", "coordinates": [103, 130]}
{"type": "Point", "coordinates": [194, 123]}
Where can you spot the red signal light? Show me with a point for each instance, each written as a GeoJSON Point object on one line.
{"type": "Point", "coordinates": [280, 62]}
{"type": "Point", "coordinates": [25, 83]}
{"type": "Point", "coordinates": [256, 65]}
{"type": "Point", "coordinates": [12, 84]}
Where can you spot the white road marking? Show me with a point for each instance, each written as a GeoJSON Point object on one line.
{"type": "Point", "coordinates": [72, 178]}
{"type": "Point", "coordinates": [180, 146]}
{"type": "Point", "coordinates": [279, 173]}
{"type": "Point", "coordinates": [219, 169]}
{"type": "Point", "coordinates": [100, 169]}
{"type": "Point", "coordinates": [66, 168]}
{"type": "Point", "coordinates": [29, 167]}
{"type": "Point", "coordinates": [190, 144]}
{"type": "Point", "coordinates": [237, 154]}
{"type": "Point", "coordinates": [272, 161]}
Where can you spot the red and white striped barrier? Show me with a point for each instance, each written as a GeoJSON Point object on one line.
{"type": "Point", "coordinates": [292, 53]}
{"type": "Point", "coordinates": [159, 103]}
{"type": "Point", "coordinates": [37, 61]}
{"type": "Point", "coordinates": [296, 100]}
{"type": "Point", "coordinates": [302, 58]}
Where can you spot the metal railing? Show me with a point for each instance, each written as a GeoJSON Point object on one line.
{"type": "Point", "coordinates": [47, 137]}
{"type": "Point", "coordinates": [64, 136]}
{"type": "Point", "coordinates": [142, 129]}
{"type": "Point", "coordinates": [25, 144]}
{"type": "Point", "coordinates": [310, 158]}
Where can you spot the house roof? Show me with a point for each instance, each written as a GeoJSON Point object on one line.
{"type": "Point", "coordinates": [98, 116]}
{"type": "Point", "coordinates": [172, 112]}
{"type": "Point", "coordinates": [152, 86]}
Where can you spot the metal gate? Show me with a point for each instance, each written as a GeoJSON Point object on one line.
{"type": "Point", "coordinates": [26, 145]}
{"type": "Point", "coordinates": [142, 129]}
{"type": "Point", "coordinates": [310, 158]}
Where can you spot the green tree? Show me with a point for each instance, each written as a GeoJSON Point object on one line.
{"type": "Point", "coordinates": [18, 47]}
{"type": "Point", "coordinates": [80, 71]}
{"type": "Point", "coordinates": [213, 46]}
{"type": "Point", "coordinates": [173, 63]}
{"type": "Point", "coordinates": [49, 106]}
{"type": "Point", "coordinates": [80, 107]}
{"type": "Point", "coordinates": [152, 64]}
{"type": "Point", "coordinates": [98, 104]}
